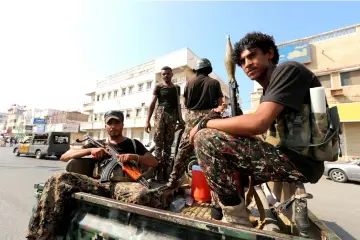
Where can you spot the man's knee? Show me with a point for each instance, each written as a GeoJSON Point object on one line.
{"type": "Point", "coordinates": [203, 138]}
{"type": "Point", "coordinates": [62, 176]}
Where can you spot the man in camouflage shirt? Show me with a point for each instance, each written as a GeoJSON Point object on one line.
{"type": "Point", "coordinates": [167, 114]}
{"type": "Point", "coordinates": [227, 147]}
{"type": "Point", "coordinates": [52, 214]}
{"type": "Point", "coordinates": [202, 94]}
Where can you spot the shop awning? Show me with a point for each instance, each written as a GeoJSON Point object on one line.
{"type": "Point", "coordinates": [349, 112]}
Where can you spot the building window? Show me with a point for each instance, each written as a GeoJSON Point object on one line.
{"type": "Point", "coordinates": [350, 78]}
{"type": "Point", "coordinates": [123, 91]}
{"type": "Point", "coordinates": [146, 111]}
{"type": "Point", "coordinates": [103, 96]}
{"type": "Point", "coordinates": [128, 113]}
{"type": "Point", "coordinates": [148, 85]}
{"type": "Point", "coordinates": [325, 80]}
{"type": "Point", "coordinates": [109, 95]}
{"type": "Point", "coordinates": [95, 117]}
{"type": "Point", "coordinates": [138, 111]}
{"type": "Point", "coordinates": [115, 93]}
{"type": "Point", "coordinates": [140, 87]}
{"type": "Point", "coordinates": [98, 98]}
{"type": "Point", "coordinates": [131, 89]}
{"type": "Point", "coordinates": [174, 80]}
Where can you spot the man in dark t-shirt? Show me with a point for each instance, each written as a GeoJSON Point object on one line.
{"type": "Point", "coordinates": [202, 94]}
{"type": "Point", "coordinates": [168, 112]}
{"type": "Point", "coordinates": [225, 147]}
{"type": "Point", "coordinates": [51, 216]}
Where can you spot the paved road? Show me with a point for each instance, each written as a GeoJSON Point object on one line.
{"type": "Point", "coordinates": [17, 178]}
{"type": "Point", "coordinates": [336, 204]}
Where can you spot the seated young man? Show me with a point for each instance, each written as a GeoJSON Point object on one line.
{"type": "Point", "coordinates": [54, 206]}
{"type": "Point", "coordinates": [227, 146]}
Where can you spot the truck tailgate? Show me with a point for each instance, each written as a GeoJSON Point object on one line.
{"type": "Point", "coordinates": [110, 219]}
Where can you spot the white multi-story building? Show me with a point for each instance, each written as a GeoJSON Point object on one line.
{"type": "Point", "coordinates": [14, 119]}
{"type": "Point", "coordinates": [3, 117]}
{"type": "Point", "coordinates": [27, 121]}
{"type": "Point", "coordinates": [131, 91]}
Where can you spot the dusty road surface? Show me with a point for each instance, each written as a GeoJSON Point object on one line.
{"type": "Point", "coordinates": [17, 178]}
{"type": "Point", "coordinates": [338, 205]}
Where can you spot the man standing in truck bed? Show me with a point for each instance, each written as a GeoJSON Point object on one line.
{"type": "Point", "coordinates": [202, 94]}
{"type": "Point", "coordinates": [167, 113]}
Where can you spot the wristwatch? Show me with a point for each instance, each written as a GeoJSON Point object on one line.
{"type": "Point", "coordinates": [202, 123]}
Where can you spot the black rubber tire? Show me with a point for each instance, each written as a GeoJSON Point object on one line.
{"type": "Point", "coordinates": [16, 152]}
{"type": "Point", "coordinates": [338, 175]}
{"type": "Point", "coordinates": [38, 154]}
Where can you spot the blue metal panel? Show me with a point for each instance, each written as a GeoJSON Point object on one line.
{"type": "Point", "coordinates": [299, 52]}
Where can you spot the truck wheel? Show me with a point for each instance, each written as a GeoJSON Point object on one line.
{"type": "Point", "coordinates": [38, 154]}
{"type": "Point", "coordinates": [338, 175]}
{"type": "Point", "coordinates": [16, 152]}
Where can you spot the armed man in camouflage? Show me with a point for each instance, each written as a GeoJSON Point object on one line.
{"type": "Point", "coordinates": [202, 95]}
{"type": "Point", "coordinates": [167, 114]}
{"type": "Point", "coordinates": [227, 147]}
{"type": "Point", "coordinates": [52, 214]}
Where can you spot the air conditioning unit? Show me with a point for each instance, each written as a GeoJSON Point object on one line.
{"type": "Point", "coordinates": [143, 104]}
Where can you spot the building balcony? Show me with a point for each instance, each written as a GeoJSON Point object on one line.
{"type": "Point", "coordinates": [88, 106]}
{"type": "Point", "coordinates": [86, 126]}
{"type": "Point", "coordinates": [133, 122]}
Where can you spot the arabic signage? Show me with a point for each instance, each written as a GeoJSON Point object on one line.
{"type": "Point", "coordinates": [39, 129]}
{"type": "Point", "coordinates": [39, 121]}
{"type": "Point", "coordinates": [299, 52]}
{"type": "Point", "coordinates": [28, 128]}
{"type": "Point", "coordinates": [63, 127]}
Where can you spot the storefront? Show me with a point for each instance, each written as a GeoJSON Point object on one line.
{"type": "Point", "coordinates": [350, 119]}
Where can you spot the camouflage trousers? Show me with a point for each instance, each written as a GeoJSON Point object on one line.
{"type": "Point", "coordinates": [182, 159]}
{"type": "Point", "coordinates": [54, 207]}
{"type": "Point", "coordinates": [221, 156]}
{"type": "Point", "coordinates": [165, 124]}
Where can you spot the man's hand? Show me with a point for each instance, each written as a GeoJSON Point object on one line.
{"type": "Point", "coordinates": [124, 158]}
{"type": "Point", "coordinates": [98, 153]}
{"type": "Point", "coordinates": [147, 127]}
{"type": "Point", "coordinates": [192, 134]}
{"type": "Point", "coordinates": [219, 109]}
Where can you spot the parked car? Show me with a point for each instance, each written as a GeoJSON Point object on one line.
{"type": "Point", "coordinates": [342, 171]}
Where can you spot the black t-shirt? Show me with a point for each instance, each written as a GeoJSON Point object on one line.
{"type": "Point", "coordinates": [289, 86]}
{"type": "Point", "coordinates": [167, 96]}
{"type": "Point", "coordinates": [125, 147]}
{"type": "Point", "coordinates": [202, 93]}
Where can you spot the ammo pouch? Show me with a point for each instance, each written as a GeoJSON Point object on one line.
{"type": "Point", "coordinates": [311, 134]}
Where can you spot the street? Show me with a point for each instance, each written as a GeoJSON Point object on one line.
{"type": "Point", "coordinates": [336, 204]}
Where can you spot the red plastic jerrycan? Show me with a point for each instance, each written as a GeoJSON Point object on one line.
{"type": "Point", "coordinates": [200, 190]}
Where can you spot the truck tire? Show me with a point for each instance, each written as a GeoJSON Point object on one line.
{"type": "Point", "coordinates": [38, 154]}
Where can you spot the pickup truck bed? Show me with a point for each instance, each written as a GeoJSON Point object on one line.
{"type": "Point", "coordinates": [102, 218]}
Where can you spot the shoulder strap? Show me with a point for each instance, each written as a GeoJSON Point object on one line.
{"type": "Point", "coordinates": [178, 101]}
{"type": "Point", "coordinates": [134, 144]}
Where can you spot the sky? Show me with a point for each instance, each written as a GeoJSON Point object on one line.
{"type": "Point", "coordinates": [52, 52]}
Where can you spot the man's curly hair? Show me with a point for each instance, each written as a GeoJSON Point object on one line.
{"type": "Point", "coordinates": [255, 40]}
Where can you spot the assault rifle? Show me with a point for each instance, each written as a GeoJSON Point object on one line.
{"type": "Point", "coordinates": [233, 85]}
{"type": "Point", "coordinates": [113, 161]}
